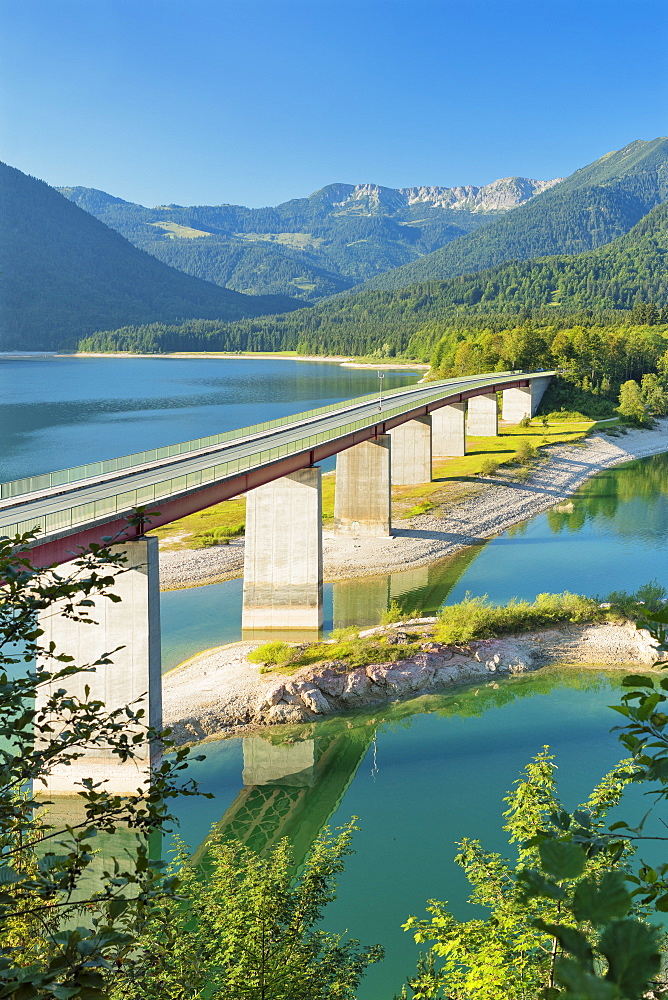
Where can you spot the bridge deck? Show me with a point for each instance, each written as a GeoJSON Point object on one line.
{"type": "Point", "coordinates": [69, 514]}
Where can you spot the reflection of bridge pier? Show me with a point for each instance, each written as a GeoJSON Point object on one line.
{"type": "Point", "coordinates": [296, 799]}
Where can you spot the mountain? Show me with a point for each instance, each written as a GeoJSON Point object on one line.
{"type": "Point", "coordinates": [607, 282]}
{"type": "Point", "coordinates": [65, 274]}
{"type": "Point", "coordinates": [586, 210]}
{"type": "Point", "coordinates": [311, 247]}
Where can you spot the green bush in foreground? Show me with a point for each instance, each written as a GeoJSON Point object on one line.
{"type": "Point", "coordinates": [477, 618]}
{"type": "Point", "coordinates": [245, 928]}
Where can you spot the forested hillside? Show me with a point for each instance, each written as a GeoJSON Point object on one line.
{"type": "Point", "coordinates": [308, 247]}
{"type": "Point", "coordinates": [64, 274]}
{"type": "Point", "coordinates": [600, 285]}
{"type": "Point", "coordinates": [587, 210]}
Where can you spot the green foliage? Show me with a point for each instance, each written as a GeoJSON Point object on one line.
{"type": "Point", "coordinates": [526, 453]}
{"type": "Point", "coordinates": [60, 928]}
{"type": "Point", "coordinates": [489, 467]}
{"type": "Point", "coordinates": [645, 600]}
{"type": "Point", "coordinates": [541, 904]}
{"type": "Point", "coordinates": [246, 929]}
{"type": "Point", "coordinates": [272, 653]}
{"type": "Point", "coordinates": [348, 651]}
{"type": "Point", "coordinates": [477, 618]}
{"type": "Point", "coordinates": [394, 613]}
{"type": "Point", "coordinates": [631, 405]}
{"type": "Point", "coordinates": [221, 535]}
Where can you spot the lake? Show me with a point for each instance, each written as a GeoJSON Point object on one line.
{"type": "Point", "coordinates": [419, 776]}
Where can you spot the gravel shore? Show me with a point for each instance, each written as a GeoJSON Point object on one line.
{"type": "Point", "coordinates": [501, 504]}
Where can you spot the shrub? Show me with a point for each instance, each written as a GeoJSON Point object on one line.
{"type": "Point", "coordinates": [476, 618]}
{"type": "Point", "coordinates": [489, 467]}
{"type": "Point", "coordinates": [220, 535]}
{"type": "Point", "coordinates": [526, 453]}
{"type": "Point", "coordinates": [272, 654]}
{"type": "Point", "coordinates": [648, 598]}
{"type": "Point", "coordinates": [525, 422]}
{"type": "Point", "coordinates": [393, 614]}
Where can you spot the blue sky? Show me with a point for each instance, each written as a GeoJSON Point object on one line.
{"type": "Point", "coordinates": [257, 101]}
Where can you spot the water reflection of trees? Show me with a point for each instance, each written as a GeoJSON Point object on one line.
{"type": "Point", "coordinates": [632, 495]}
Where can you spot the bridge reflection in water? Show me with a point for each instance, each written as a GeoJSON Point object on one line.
{"type": "Point", "coordinates": [290, 790]}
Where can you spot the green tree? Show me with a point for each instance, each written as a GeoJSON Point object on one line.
{"type": "Point", "coordinates": [512, 954]}
{"type": "Point", "coordinates": [631, 403]}
{"type": "Point", "coordinates": [247, 929]}
{"type": "Point", "coordinates": [654, 396]}
{"type": "Point", "coordinates": [60, 931]}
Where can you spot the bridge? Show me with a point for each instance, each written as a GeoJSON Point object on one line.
{"type": "Point", "coordinates": [379, 443]}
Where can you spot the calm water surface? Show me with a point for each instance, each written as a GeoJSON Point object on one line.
{"type": "Point", "coordinates": [419, 776]}
{"type": "Point", "coordinates": [58, 412]}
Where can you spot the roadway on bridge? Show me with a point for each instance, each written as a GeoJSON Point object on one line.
{"type": "Point", "coordinates": [290, 439]}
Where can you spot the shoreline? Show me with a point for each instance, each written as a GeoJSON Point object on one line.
{"type": "Point", "coordinates": [499, 505]}
{"type": "Point", "coordinates": [220, 693]}
{"type": "Point", "coordinates": [344, 361]}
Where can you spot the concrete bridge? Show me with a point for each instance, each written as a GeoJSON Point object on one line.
{"type": "Point", "coordinates": [379, 444]}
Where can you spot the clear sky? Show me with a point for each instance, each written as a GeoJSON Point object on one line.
{"type": "Point", "coordinates": [256, 101]}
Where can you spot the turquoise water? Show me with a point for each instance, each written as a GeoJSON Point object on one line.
{"type": "Point", "coordinates": [58, 412]}
{"type": "Point", "coordinates": [612, 535]}
{"type": "Point", "coordinates": [419, 776]}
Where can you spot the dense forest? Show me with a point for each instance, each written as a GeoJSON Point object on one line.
{"type": "Point", "coordinates": [587, 210]}
{"type": "Point", "coordinates": [600, 287]}
{"type": "Point", "coordinates": [65, 274]}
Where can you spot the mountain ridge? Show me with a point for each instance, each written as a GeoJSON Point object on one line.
{"type": "Point", "coordinates": [591, 207]}
{"type": "Point", "coordinates": [64, 272]}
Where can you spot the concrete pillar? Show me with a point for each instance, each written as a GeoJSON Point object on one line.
{"type": "Point", "coordinates": [363, 501]}
{"type": "Point", "coordinates": [519, 403]}
{"type": "Point", "coordinates": [411, 452]}
{"type": "Point", "coordinates": [483, 416]}
{"type": "Point", "coordinates": [283, 554]}
{"type": "Point", "coordinates": [448, 430]}
{"type": "Point", "coordinates": [134, 674]}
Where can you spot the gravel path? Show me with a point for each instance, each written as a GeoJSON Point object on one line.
{"type": "Point", "coordinates": [490, 512]}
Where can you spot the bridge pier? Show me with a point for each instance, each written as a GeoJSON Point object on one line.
{"type": "Point", "coordinates": [363, 499]}
{"type": "Point", "coordinates": [411, 452]}
{"type": "Point", "coordinates": [520, 403]}
{"type": "Point", "coordinates": [134, 675]}
{"type": "Point", "coordinates": [483, 416]}
{"type": "Point", "coordinates": [448, 431]}
{"type": "Point", "coordinates": [283, 554]}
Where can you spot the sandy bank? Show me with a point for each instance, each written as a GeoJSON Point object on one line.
{"type": "Point", "coordinates": [427, 538]}
{"type": "Point", "coordinates": [221, 693]}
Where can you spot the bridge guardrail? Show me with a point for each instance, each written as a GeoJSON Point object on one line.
{"type": "Point", "coordinates": [124, 502]}
{"type": "Point", "coordinates": [92, 470]}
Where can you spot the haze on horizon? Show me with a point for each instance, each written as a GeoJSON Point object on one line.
{"type": "Point", "coordinates": [254, 103]}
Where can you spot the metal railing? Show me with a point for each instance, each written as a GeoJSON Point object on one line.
{"type": "Point", "coordinates": [123, 503]}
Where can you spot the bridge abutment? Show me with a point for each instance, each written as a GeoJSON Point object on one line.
{"type": "Point", "coordinates": [283, 554]}
{"type": "Point", "coordinates": [411, 452]}
{"type": "Point", "coordinates": [448, 431]}
{"type": "Point", "coordinates": [483, 416]}
{"type": "Point", "coordinates": [134, 675]}
{"type": "Point", "coordinates": [363, 500]}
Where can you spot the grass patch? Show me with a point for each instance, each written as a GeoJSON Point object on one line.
{"type": "Point", "coordinates": [477, 618]}
{"type": "Point", "coordinates": [348, 651]}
